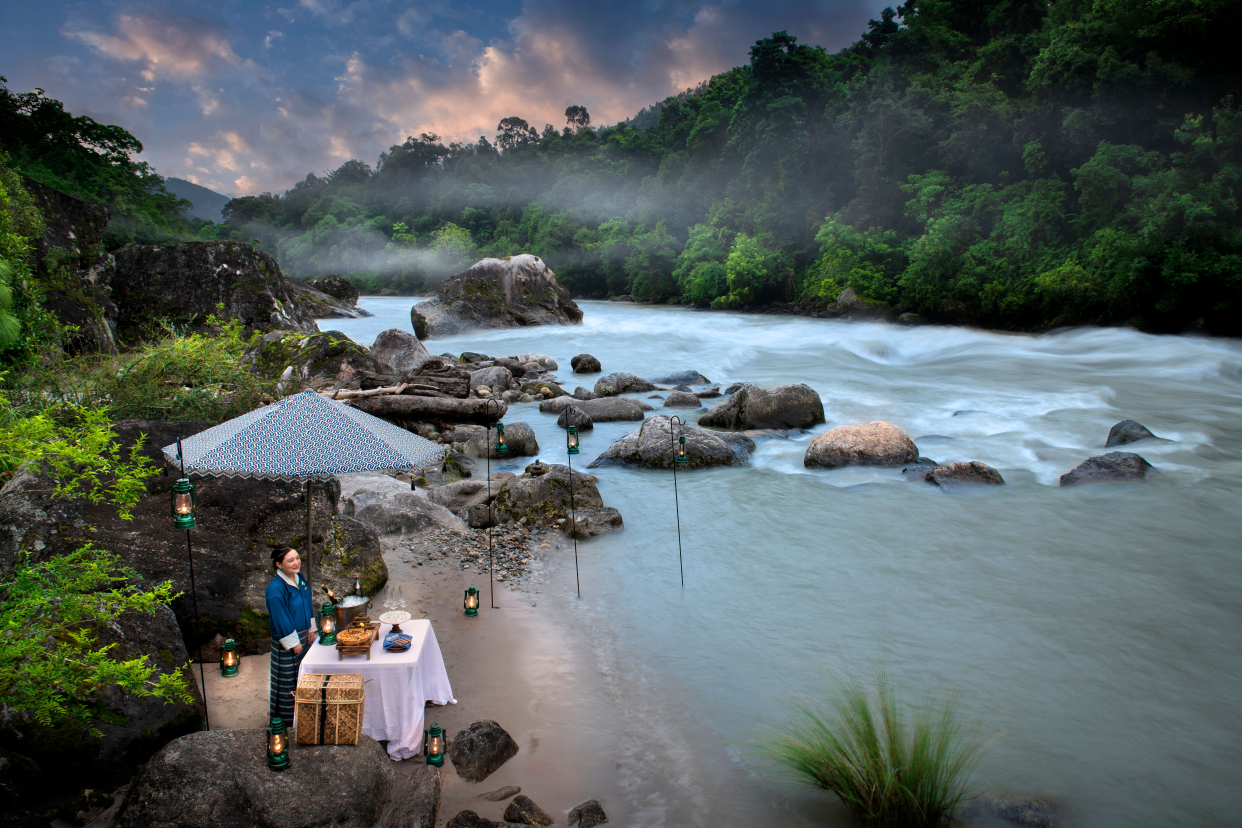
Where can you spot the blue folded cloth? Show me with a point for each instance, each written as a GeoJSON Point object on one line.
{"type": "Point", "coordinates": [397, 641]}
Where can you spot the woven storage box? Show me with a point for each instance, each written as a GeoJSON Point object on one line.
{"type": "Point", "coordinates": [329, 708]}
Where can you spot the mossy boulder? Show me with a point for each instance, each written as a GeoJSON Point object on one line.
{"type": "Point", "coordinates": [545, 498]}
{"type": "Point", "coordinates": [340, 289]}
{"type": "Point", "coordinates": [514, 292]}
{"type": "Point", "coordinates": [321, 305]}
{"type": "Point", "coordinates": [326, 356]}
{"type": "Point", "coordinates": [186, 283]}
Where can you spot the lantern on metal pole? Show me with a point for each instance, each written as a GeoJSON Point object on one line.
{"type": "Point", "coordinates": [185, 516]}
{"type": "Point", "coordinates": [228, 658]}
{"type": "Point", "coordinates": [501, 448]}
{"type": "Point", "coordinates": [679, 456]}
{"type": "Point", "coordinates": [571, 448]}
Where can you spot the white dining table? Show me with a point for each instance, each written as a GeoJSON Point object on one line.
{"type": "Point", "coordinates": [398, 685]}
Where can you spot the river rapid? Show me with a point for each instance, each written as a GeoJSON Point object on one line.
{"type": "Point", "coordinates": [1094, 632]}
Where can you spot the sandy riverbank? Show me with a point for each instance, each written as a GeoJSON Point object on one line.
{"type": "Point", "coordinates": [520, 665]}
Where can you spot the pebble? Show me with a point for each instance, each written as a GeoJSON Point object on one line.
{"type": "Point", "coordinates": [511, 553]}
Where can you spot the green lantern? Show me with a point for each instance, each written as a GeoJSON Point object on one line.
{"type": "Point", "coordinates": [681, 449]}
{"type": "Point", "coordinates": [327, 624]}
{"type": "Point", "coordinates": [471, 601]}
{"type": "Point", "coordinates": [184, 504]}
{"type": "Point", "coordinates": [229, 661]}
{"type": "Point", "coordinates": [571, 439]}
{"type": "Point", "coordinates": [501, 448]}
{"type": "Point", "coordinates": [433, 745]}
{"type": "Point", "coordinates": [277, 745]}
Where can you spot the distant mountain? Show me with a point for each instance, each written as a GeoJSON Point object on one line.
{"type": "Point", "coordinates": [207, 203]}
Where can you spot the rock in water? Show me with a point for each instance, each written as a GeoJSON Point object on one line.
{"type": "Point", "coordinates": [184, 283]}
{"type": "Point", "coordinates": [480, 749]}
{"type": "Point", "coordinates": [585, 364]}
{"type": "Point", "coordinates": [871, 444]}
{"type": "Point", "coordinates": [399, 351]}
{"type": "Point", "coordinates": [416, 801]}
{"type": "Point", "coordinates": [1114, 467]}
{"type": "Point", "coordinates": [498, 293]}
{"type": "Point", "coordinates": [680, 377]}
{"type": "Point", "coordinates": [322, 306]}
{"type": "Point", "coordinates": [338, 288]}
{"type": "Point", "coordinates": [621, 383]}
{"type": "Point", "coordinates": [545, 496]}
{"type": "Point", "coordinates": [682, 399]}
{"type": "Point", "coordinates": [851, 304]}
{"type": "Point", "coordinates": [654, 446]}
{"type": "Point", "coordinates": [576, 417]}
{"type": "Point", "coordinates": [588, 814]}
{"type": "Point", "coordinates": [502, 794]}
{"type": "Point", "coordinates": [1127, 431]}
{"type": "Point", "coordinates": [524, 811]}
{"type": "Point", "coordinates": [581, 393]}
{"type": "Point", "coordinates": [786, 406]}
{"type": "Point", "coordinates": [469, 819]}
{"type": "Point", "coordinates": [603, 410]}
{"type": "Point", "coordinates": [220, 779]}
{"type": "Point", "coordinates": [542, 361]}
{"type": "Point", "coordinates": [957, 474]}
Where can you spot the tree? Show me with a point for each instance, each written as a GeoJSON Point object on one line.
{"type": "Point", "coordinates": [577, 117]}
{"type": "Point", "coordinates": [514, 133]}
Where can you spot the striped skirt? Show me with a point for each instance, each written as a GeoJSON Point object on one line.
{"type": "Point", "coordinates": [285, 679]}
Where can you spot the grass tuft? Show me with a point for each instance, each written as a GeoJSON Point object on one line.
{"type": "Point", "coordinates": [891, 764]}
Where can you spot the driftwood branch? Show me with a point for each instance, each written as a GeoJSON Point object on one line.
{"type": "Point", "coordinates": [374, 392]}
{"type": "Point", "coordinates": [446, 409]}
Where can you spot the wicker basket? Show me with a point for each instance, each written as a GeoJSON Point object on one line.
{"type": "Point", "coordinates": [329, 708]}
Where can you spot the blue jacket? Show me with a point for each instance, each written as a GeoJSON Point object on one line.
{"type": "Point", "coordinates": [289, 610]}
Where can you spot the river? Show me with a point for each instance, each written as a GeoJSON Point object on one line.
{"type": "Point", "coordinates": [1094, 632]}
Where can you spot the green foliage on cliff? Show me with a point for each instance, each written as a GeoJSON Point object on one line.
{"type": "Point", "coordinates": [1020, 163]}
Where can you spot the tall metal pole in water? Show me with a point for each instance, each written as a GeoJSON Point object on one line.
{"type": "Point", "coordinates": [679, 456]}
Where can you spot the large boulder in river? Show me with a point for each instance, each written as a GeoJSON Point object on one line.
{"type": "Point", "coordinates": [603, 410]}
{"type": "Point", "coordinates": [340, 289]}
{"type": "Point", "coordinates": [322, 306]}
{"type": "Point", "coordinates": [682, 399]}
{"type": "Point", "coordinates": [585, 364]}
{"type": "Point", "coordinates": [545, 497]}
{"type": "Point", "coordinates": [185, 283]}
{"type": "Point", "coordinates": [655, 443]}
{"type": "Point", "coordinates": [1127, 431]}
{"type": "Point", "coordinates": [325, 358]}
{"type": "Point", "coordinates": [220, 779]}
{"type": "Point", "coordinates": [960, 474]}
{"type": "Point", "coordinates": [622, 383]}
{"type": "Point", "coordinates": [513, 292]}
{"type": "Point", "coordinates": [683, 378]}
{"type": "Point", "coordinates": [786, 406]}
{"type": "Point", "coordinates": [870, 444]}
{"type": "Point", "coordinates": [1114, 467]}
{"type": "Point", "coordinates": [400, 352]}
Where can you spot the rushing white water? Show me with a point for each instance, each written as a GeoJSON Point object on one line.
{"type": "Point", "coordinates": [1095, 631]}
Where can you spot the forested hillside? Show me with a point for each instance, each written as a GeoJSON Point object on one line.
{"type": "Point", "coordinates": [1023, 164]}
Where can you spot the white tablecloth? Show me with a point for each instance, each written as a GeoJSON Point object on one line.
{"type": "Point", "coordinates": [403, 684]}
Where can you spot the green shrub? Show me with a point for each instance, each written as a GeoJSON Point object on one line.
{"type": "Point", "coordinates": [891, 764]}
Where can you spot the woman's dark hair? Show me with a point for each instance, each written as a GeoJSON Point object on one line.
{"type": "Point", "coordinates": [278, 554]}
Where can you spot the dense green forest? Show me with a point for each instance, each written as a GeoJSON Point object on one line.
{"type": "Point", "coordinates": [1014, 163]}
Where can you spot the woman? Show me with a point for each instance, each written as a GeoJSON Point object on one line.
{"type": "Point", "coordinates": [292, 618]}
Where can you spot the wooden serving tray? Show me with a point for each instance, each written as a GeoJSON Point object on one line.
{"type": "Point", "coordinates": [364, 648]}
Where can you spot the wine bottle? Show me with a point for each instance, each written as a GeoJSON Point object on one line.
{"type": "Point", "coordinates": [358, 584]}
{"type": "Point", "coordinates": [331, 597]}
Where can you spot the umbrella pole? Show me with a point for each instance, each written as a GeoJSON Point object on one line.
{"type": "Point", "coordinates": [310, 544]}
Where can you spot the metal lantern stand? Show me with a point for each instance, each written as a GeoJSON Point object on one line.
{"type": "Point", "coordinates": [187, 519]}
{"type": "Point", "coordinates": [501, 448]}
{"type": "Point", "coordinates": [571, 448]}
{"type": "Point", "coordinates": [679, 456]}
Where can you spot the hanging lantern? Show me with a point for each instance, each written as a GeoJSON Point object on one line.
{"type": "Point", "coordinates": [471, 601]}
{"type": "Point", "coordinates": [184, 505]}
{"type": "Point", "coordinates": [327, 624]}
{"type": "Point", "coordinates": [278, 745]}
{"type": "Point", "coordinates": [501, 448]}
{"type": "Point", "coordinates": [571, 439]}
{"type": "Point", "coordinates": [681, 449]}
{"type": "Point", "coordinates": [433, 745]}
{"type": "Point", "coordinates": [229, 660]}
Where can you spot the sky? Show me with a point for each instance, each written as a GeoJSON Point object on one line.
{"type": "Point", "coordinates": [247, 97]}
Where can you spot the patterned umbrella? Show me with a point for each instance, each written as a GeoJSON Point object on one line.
{"type": "Point", "coordinates": [303, 437]}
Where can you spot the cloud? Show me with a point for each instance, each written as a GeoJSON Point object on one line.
{"type": "Point", "coordinates": [184, 48]}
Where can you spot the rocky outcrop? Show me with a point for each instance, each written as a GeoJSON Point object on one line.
{"type": "Point", "coordinates": [855, 307]}
{"type": "Point", "coordinates": [220, 779]}
{"type": "Point", "coordinates": [74, 269]}
{"type": "Point", "coordinates": [513, 292]}
{"type": "Point", "coordinates": [964, 474]}
{"type": "Point", "coordinates": [682, 399]}
{"type": "Point", "coordinates": [622, 383]}
{"type": "Point", "coordinates": [339, 289]}
{"type": "Point", "coordinates": [320, 305]}
{"type": "Point", "coordinates": [523, 811]}
{"type": "Point", "coordinates": [545, 497]}
{"type": "Point", "coordinates": [654, 446]}
{"type": "Point", "coordinates": [1127, 431]}
{"type": "Point", "coordinates": [186, 283]}
{"type": "Point", "coordinates": [603, 410]}
{"type": "Point", "coordinates": [786, 406]}
{"type": "Point", "coordinates": [399, 352]}
{"type": "Point", "coordinates": [416, 799]}
{"type": "Point", "coordinates": [418, 322]}
{"type": "Point", "coordinates": [477, 751]}
{"type": "Point", "coordinates": [389, 507]}
{"type": "Point", "coordinates": [588, 814]}
{"type": "Point", "coordinates": [871, 444]}
{"type": "Point", "coordinates": [683, 378]}
{"type": "Point", "coordinates": [302, 358]}
{"type": "Point", "coordinates": [1114, 467]}
{"type": "Point", "coordinates": [406, 409]}
{"type": "Point", "coordinates": [585, 364]}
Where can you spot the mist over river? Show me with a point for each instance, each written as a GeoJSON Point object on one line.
{"type": "Point", "coordinates": [1095, 631]}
